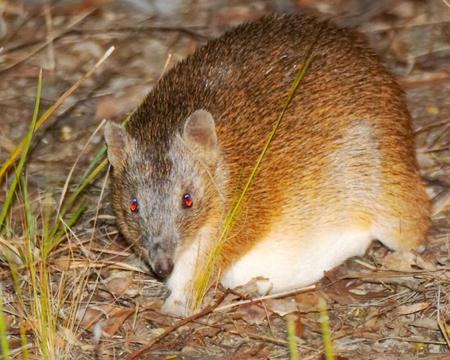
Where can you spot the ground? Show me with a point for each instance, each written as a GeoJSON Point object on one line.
{"type": "Point", "coordinates": [380, 306]}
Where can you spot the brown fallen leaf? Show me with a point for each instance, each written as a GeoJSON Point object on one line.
{"type": "Point", "coordinates": [425, 323]}
{"type": "Point", "coordinates": [115, 316]}
{"type": "Point", "coordinates": [307, 301]}
{"type": "Point", "coordinates": [88, 316]}
{"type": "Point", "coordinates": [252, 314]}
{"type": "Point", "coordinates": [120, 283]}
{"type": "Point", "coordinates": [399, 261]}
{"type": "Point", "coordinates": [283, 306]}
{"type": "Point", "coordinates": [115, 320]}
{"type": "Point", "coordinates": [412, 308]}
{"type": "Point", "coordinates": [205, 332]}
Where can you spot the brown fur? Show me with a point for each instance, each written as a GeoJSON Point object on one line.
{"type": "Point", "coordinates": [345, 146]}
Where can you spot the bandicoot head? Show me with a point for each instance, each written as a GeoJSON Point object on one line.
{"type": "Point", "coordinates": [161, 190]}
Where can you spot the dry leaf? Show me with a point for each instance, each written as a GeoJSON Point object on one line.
{"type": "Point", "coordinates": [116, 318]}
{"type": "Point", "coordinates": [307, 301]}
{"type": "Point", "coordinates": [399, 261]}
{"type": "Point", "coordinates": [89, 316]}
{"type": "Point", "coordinates": [412, 308]}
{"type": "Point", "coordinates": [120, 283]}
{"type": "Point", "coordinates": [252, 314]}
{"type": "Point", "coordinates": [425, 323]}
{"type": "Point", "coordinates": [282, 307]}
{"type": "Point", "coordinates": [114, 315]}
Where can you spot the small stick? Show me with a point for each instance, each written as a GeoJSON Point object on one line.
{"type": "Point", "coordinates": [271, 296]}
{"type": "Point", "coordinates": [207, 310]}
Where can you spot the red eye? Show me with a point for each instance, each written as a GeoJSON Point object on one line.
{"type": "Point", "coordinates": [187, 200]}
{"type": "Point", "coordinates": [134, 204]}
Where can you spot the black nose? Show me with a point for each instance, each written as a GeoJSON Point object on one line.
{"type": "Point", "coordinates": [163, 268]}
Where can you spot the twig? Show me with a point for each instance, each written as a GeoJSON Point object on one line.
{"type": "Point", "coordinates": [207, 310]}
{"type": "Point", "coordinates": [191, 32]}
{"type": "Point", "coordinates": [412, 340]}
{"type": "Point", "coordinates": [384, 274]}
{"type": "Point", "coordinates": [271, 296]}
{"type": "Point", "coordinates": [433, 79]}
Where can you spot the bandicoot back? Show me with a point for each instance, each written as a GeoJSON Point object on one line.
{"type": "Point", "coordinates": [340, 172]}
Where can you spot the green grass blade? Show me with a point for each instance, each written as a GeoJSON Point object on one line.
{"type": "Point", "coordinates": [18, 172]}
{"type": "Point", "coordinates": [3, 334]}
{"type": "Point", "coordinates": [99, 155]}
{"type": "Point", "coordinates": [292, 340]}
{"type": "Point", "coordinates": [30, 223]}
{"type": "Point", "coordinates": [86, 182]}
{"type": "Point", "coordinates": [203, 277]}
{"type": "Point", "coordinates": [45, 314]}
{"type": "Point", "coordinates": [48, 206]}
{"type": "Point", "coordinates": [326, 332]}
{"type": "Point", "coordinates": [58, 228]}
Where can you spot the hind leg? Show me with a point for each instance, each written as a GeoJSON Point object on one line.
{"type": "Point", "coordinates": [402, 234]}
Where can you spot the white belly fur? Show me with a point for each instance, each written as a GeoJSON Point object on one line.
{"type": "Point", "coordinates": [291, 261]}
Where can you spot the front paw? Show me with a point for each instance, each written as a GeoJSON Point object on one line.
{"type": "Point", "coordinates": [176, 305]}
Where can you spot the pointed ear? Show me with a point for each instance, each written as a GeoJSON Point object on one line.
{"type": "Point", "coordinates": [118, 141]}
{"type": "Point", "coordinates": [200, 132]}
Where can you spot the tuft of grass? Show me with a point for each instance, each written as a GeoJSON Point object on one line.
{"type": "Point", "coordinates": [326, 332]}
{"type": "Point", "coordinates": [30, 235]}
{"type": "Point", "coordinates": [37, 314]}
{"type": "Point", "coordinates": [203, 277]}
